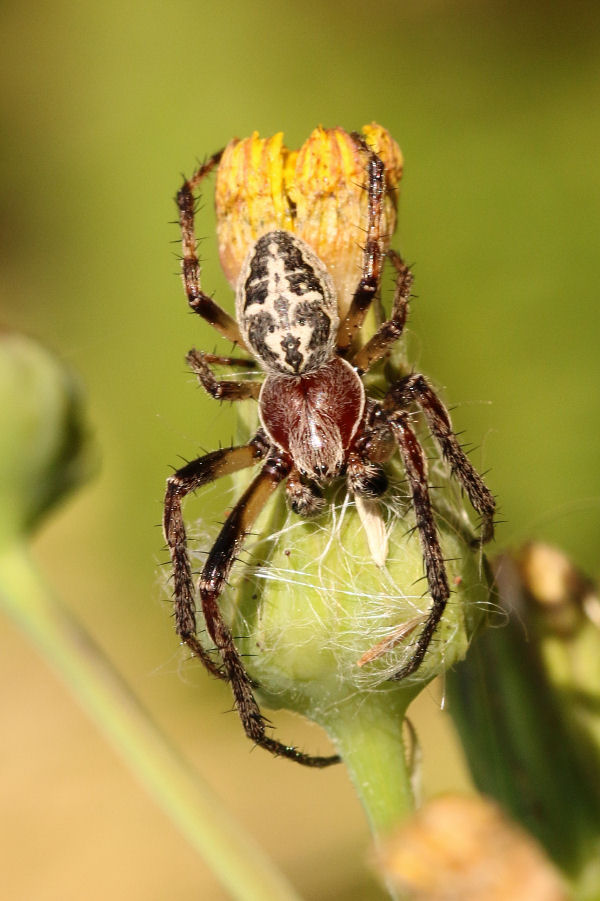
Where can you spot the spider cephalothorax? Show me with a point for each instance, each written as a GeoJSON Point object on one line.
{"type": "Point", "coordinates": [317, 423]}
{"type": "Point", "coordinates": [314, 417]}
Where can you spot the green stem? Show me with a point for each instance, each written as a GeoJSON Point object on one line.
{"type": "Point", "coordinates": [232, 855]}
{"type": "Point", "coordinates": [368, 732]}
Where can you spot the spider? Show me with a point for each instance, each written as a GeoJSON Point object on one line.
{"type": "Point", "coordinates": [317, 424]}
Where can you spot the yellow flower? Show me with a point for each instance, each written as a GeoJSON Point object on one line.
{"type": "Point", "coordinates": [316, 192]}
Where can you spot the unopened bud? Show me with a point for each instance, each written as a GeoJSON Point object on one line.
{"type": "Point", "coordinates": [43, 441]}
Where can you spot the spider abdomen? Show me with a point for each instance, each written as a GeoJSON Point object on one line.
{"type": "Point", "coordinates": [314, 417]}
{"type": "Point", "coordinates": [286, 305]}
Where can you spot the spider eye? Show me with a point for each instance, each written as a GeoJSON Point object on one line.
{"type": "Point", "coordinates": [271, 329]}
{"type": "Point", "coordinates": [301, 321]}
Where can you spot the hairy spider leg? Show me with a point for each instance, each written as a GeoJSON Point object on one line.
{"type": "Point", "coordinates": [415, 466]}
{"type": "Point", "coordinates": [415, 389]}
{"type": "Point", "coordinates": [200, 302]}
{"type": "Point", "coordinates": [187, 479]}
{"type": "Point", "coordinates": [212, 580]}
{"type": "Point", "coordinates": [222, 389]}
{"type": "Point", "coordinates": [372, 253]}
{"type": "Point", "coordinates": [390, 330]}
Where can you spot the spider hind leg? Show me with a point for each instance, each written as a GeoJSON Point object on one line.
{"type": "Point", "coordinates": [392, 329]}
{"type": "Point", "coordinates": [373, 251]}
{"type": "Point", "coordinates": [199, 301]}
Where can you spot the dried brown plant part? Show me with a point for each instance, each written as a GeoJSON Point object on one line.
{"type": "Point", "coordinates": [461, 848]}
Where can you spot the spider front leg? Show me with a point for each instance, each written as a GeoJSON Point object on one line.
{"type": "Point", "coordinates": [189, 478]}
{"type": "Point", "coordinates": [415, 389]}
{"type": "Point", "coordinates": [200, 302]}
{"type": "Point", "coordinates": [415, 466]}
{"type": "Point", "coordinates": [212, 580]}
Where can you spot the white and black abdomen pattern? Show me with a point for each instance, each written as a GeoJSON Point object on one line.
{"type": "Point", "coordinates": [286, 305]}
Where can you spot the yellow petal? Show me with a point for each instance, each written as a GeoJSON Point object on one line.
{"type": "Point", "coordinates": [249, 197]}
{"type": "Point", "coordinates": [331, 203]}
{"type": "Point", "coordinates": [317, 192]}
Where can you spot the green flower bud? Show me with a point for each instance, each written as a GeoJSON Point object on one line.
{"type": "Point", "coordinates": [321, 621]}
{"type": "Point", "coordinates": [43, 442]}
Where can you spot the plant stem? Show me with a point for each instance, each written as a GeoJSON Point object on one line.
{"type": "Point", "coordinates": [239, 864]}
{"type": "Point", "coordinates": [368, 732]}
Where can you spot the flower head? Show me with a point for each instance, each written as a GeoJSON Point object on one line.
{"type": "Point", "coordinates": [316, 192]}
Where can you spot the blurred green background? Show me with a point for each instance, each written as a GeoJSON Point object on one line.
{"type": "Point", "coordinates": [497, 109]}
